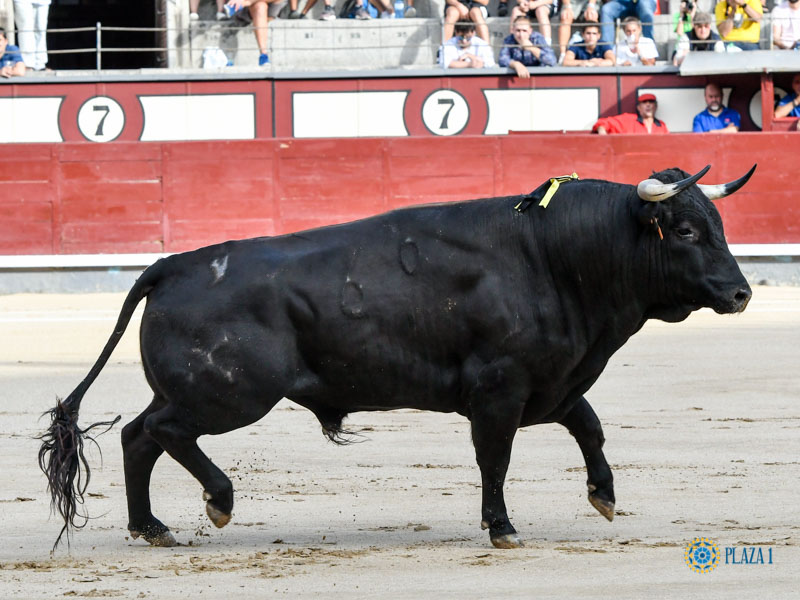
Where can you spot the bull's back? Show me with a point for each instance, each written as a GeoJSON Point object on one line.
{"type": "Point", "coordinates": [386, 303]}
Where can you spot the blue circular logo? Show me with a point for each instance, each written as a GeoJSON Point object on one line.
{"type": "Point", "coordinates": [701, 555]}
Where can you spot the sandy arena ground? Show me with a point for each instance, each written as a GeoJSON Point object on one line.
{"type": "Point", "coordinates": [702, 422]}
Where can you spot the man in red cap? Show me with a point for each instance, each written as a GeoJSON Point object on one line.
{"type": "Point", "coordinates": [644, 121]}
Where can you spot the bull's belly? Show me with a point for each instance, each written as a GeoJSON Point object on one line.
{"type": "Point", "coordinates": [365, 385]}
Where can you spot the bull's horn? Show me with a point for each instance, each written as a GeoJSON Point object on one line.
{"type": "Point", "coordinates": [654, 190]}
{"type": "Point", "coordinates": [715, 192]}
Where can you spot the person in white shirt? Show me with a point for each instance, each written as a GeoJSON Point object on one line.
{"type": "Point", "coordinates": [465, 50]}
{"type": "Point", "coordinates": [786, 25]}
{"type": "Point", "coordinates": [636, 50]}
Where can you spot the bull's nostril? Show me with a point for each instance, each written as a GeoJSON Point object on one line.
{"type": "Point", "coordinates": [742, 298]}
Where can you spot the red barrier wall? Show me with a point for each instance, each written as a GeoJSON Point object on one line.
{"type": "Point", "coordinates": [167, 197]}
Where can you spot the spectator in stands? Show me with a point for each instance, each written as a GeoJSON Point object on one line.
{"type": "Point", "coordinates": [31, 19]}
{"type": "Point", "coordinates": [525, 48]}
{"type": "Point", "coordinates": [789, 105]}
{"type": "Point", "coordinates": [11, 63]}
{"type": "Point", "coordinates": [465, 50]}
{"type": "Point", "coordinates": [260, 12]}
{"type": "Point", "coordinates": [616, 9]}
{"type": "Point", "coordinates": [195, 4]}
{"type": "Point", "coordinates": [683, 19]}
{"type": "Point", "coordinates": [592, 53]}
{"type": "Point", "coordinates": [328, 13]}
{"type": "Point", "coordinates": [786, 25]}
{"type": "Point", "coordinates": [644, 121]}
{"type": "Point", "coordinates": [699, 39]}
{"type": "Point", "coordinates": [542, 11]}
{"type": "Point", "coordinates": [716, 116]}
{"type": "Point", "coordinates": [350, 9]}
{"type": "Point", "coordinates": [466, 10]}
{"type": "Point", "coordinates": [739, 22]}
{"type": "Point", "coordinates": [637, 50]}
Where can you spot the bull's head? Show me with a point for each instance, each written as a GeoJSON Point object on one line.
{"type": "Point", "coordinates": [696, 267]}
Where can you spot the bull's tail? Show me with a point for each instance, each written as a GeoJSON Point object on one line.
{"type": "Point", "coordinates": [61, 455]}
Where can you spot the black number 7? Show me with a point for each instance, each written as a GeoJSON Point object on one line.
{"type": "Point", "coordinates": [105, 109]}
{"type": "Point", "coordinates": [452, 103]}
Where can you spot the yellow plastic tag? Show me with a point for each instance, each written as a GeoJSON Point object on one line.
{"type": "Point", "coordinates": [555, 182]}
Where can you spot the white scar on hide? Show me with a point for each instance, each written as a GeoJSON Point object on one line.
{"type": "Point", "coordinates": [218, 267]}
{"type": "Point", "coordinates": [208, 357]}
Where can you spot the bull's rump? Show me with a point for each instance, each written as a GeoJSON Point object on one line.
{"type": "Point", "coordinates": [379, 313]}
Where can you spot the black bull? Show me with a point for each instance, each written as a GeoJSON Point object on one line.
{"type": "Point", "coordinates": [504, 316]}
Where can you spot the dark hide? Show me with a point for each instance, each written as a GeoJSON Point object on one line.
{"type": "Point", "coordinates": [502, 316]}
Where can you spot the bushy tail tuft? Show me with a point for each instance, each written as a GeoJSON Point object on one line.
{"type": "Point", "coordinates": [342, 437]}
{"type": "Point", "coordinates": [62, 459]}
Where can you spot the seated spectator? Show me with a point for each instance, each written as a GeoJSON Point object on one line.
{"type": "Point", "coordinates": [260, 12]}
{"type": "Point", "coordinates": [11, 64]}
{"type": "Point", "coordinates": [789, 105]}
{"type": "Point", "coordinates": [591, 14]}
{"type": "Point", "coordinates": [525, 48]}
{"type": "Point", "coordinates": [194, 4]}
{"type": "Point", "coordinates": [637, 50]}
{"type": "Point", "coordinates": [542, 11]}
{"type": "Point", "coordinates": [683, 19]}
{"type": "Point", "coordinates": [716, 116]}
{"type": "Point", "coordinates": [328, 14]}
{"type": "Point", "coordinates": [466, 10]}
{"type": "Point", "coordinates": [592, 53]}
{"type": "Point", "coordinates": [616, 9]}
{"type": "Point", "coordinates": [786, 25]}
{"type": "Point", "coordinates": [699, 39]}
{"type": "Point", "coordinates": [739, 22]}
{"type": "Point", "coordinates": [465, 50]}
{"type": "Point", "coordinates": [644, 121]}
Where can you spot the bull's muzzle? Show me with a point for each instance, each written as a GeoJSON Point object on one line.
{"type": "Point", "coordinates": [734, 301]}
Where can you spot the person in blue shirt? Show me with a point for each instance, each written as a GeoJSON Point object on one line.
{"type": "Point", "coordinates": [789, 105]}
{"type": "Point", "coordinates": [716, 117]}
{"type": "Point", "coordinates": [11, 64]}
{"type": "Point", "coordinates": [525, 48]}
{"type": "Point", "coordinates": [592, 53]}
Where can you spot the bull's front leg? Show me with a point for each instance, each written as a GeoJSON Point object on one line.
{"type": "Point", "coordinates": [496, 407]}
{"type": "Point", "coordinates": [583, 424]}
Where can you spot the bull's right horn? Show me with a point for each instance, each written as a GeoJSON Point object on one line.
{"type": "Point", "coordinates": [715, 192]}
{"type": "Point", "coordinates": [653, 190]}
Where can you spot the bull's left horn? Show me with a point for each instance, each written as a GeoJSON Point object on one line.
{"type": "Point", "coordinates": [653, 190]}
{"type": "Point", "coordinates": [715, 192]}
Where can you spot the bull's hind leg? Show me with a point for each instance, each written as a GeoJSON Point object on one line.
{"type": "Point", "coordinates": [140, 453]}
{"type": "Point", "coordinates": [583, 424]}
{"type": "Point", "coordinates": [177, 431]}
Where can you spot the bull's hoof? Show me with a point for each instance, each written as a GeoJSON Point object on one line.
{"type": "Point", "coordinates": [604, 507]}
{"type": "Point", "coordinates": [163, 539]}
{"type": "Point", "coordinates": [507, 541]}
{"type": "Point", "coordinates": [218, 517]}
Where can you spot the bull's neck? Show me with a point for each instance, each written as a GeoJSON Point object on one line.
{"type": "Point", "coordinates": [590, 248]}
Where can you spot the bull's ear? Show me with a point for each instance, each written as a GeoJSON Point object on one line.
{"type": "Point", "coordinates": [654, 215]}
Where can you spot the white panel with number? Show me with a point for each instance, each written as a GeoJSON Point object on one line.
{"type": "Point", "coordinates": [199, 117]}
{"type": "Point", "coordinates": [573, 109]}
{"type": "Point", "coordinates": [27, 120]}
{"type": "Point", "coordinates": [348, 114]}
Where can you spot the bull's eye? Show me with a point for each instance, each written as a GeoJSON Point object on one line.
{"type": "Point", "coordinates": [685, 233]}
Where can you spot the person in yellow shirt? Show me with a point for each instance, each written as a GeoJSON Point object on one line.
{"type": "Point", "coordinates": [739, 22]}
